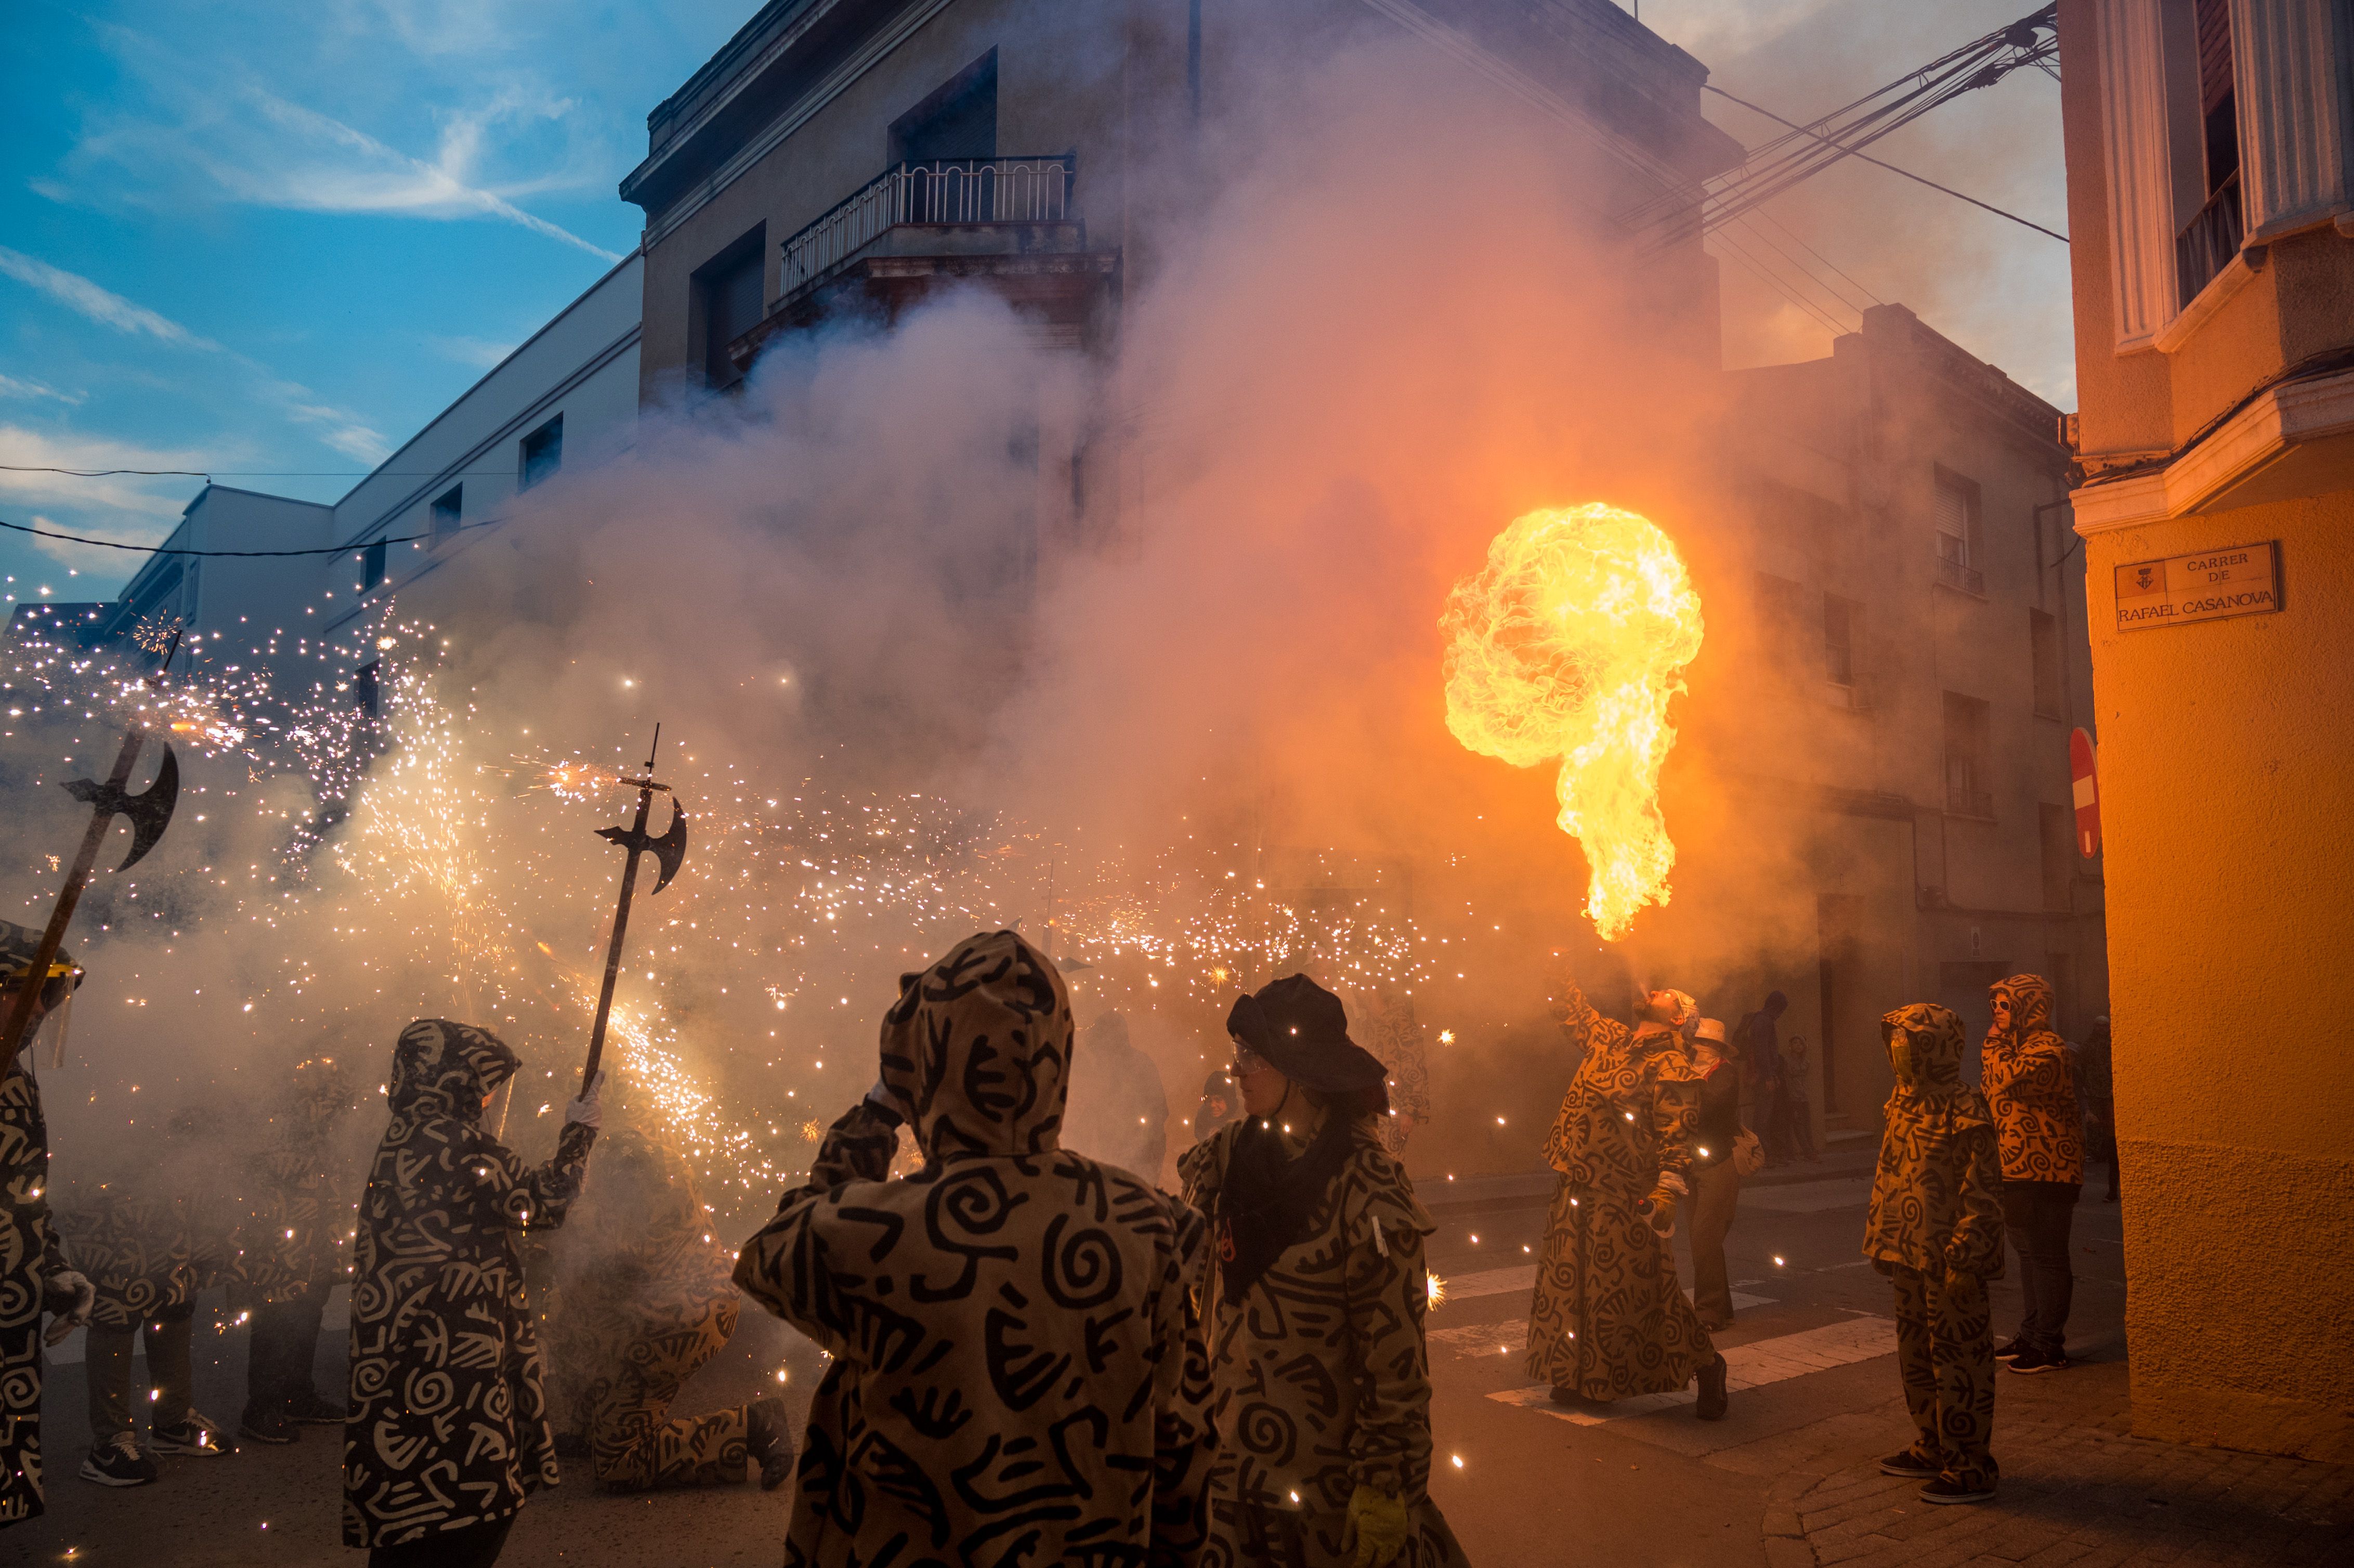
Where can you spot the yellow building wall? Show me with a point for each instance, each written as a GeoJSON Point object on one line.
{"type": "Point", "coordinates": [2227, 788]}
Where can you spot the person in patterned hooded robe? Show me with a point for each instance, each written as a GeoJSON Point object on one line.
{"type": "Point", "coordinates": [1316, 1301]}
{"type": "Point", "coordinates": [2029, 1078]}
{"type": "Point", "coordinates": [35, 1274]}
{"type": "Point", "coordinates": [293, 1249]}
{"type": "Point", "coordinates": [642, 1297]}
{"type": "Point", "coordinates": [151, 1239]}
{"type": "Point", "coordinates": [447, 1431]}
{"type": "Point", "coordinates": [1609, 1321]}
{"type": "Point", "coordinates": [1934, 1229]}
{"type": "Point", "coordinates": [1018, 1373]}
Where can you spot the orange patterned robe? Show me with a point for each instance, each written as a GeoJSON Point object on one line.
{"type": "Point", "coordinates": [1608, 1320]}
{"type": "Point", "coordinates": [1935, 1227]}
{"type": "Point", "coordinates": [2030, 1079]}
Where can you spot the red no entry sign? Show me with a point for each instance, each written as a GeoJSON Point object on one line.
{"type": "Point", "coordinates": [2082, 767]}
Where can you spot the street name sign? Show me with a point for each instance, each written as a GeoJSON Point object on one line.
{"type": "Point", "coordinates": [2241, 579]}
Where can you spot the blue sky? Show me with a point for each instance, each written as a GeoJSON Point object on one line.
{"type": "Point", "coordinates": [269, 240]}
{"type": "Point", "coordinates": [278, 236]}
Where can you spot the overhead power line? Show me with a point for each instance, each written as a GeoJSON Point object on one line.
{"type": "Point", "coordinates": [1801, 152]}
{"type": "Point", "coordinates": [353, 549]}
{"type": "Point", "coordinates": [1917, 179]}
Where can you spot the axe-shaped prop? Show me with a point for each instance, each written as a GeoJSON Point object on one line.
{"type": "Point", "coordinates": [668, 850]}
{"type": "Point", "coordinates": [149, 813]}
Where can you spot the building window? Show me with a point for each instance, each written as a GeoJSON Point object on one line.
{"type": "Point", "coordinates": [727, 299]}
{"type": "Point", "coordinates": [447, 509]}
{"type": "Point", "coordinates": [1840, 616]}
{"type": "Point", "coordinates": [2208, 242]}
{"type": "Point", "coordinates": [1967, 775]}
{"type": "Point", "coordinates": [1956, 514]}
{"type": "Point", "coordinates": [371, 567]}
{"type": "Point", "coordinates": [2044, 638]}
{"type": "Point", "coordinates": [543, 452]}
{"type": "Point", "coordinates": [2057, 825]}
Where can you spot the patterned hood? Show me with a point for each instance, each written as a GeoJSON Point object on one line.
{"type": "Point", "coordinates": [1925, 1046]}
{"type": "Point", "coordinates": [2030, 1004]}
{"type": "Point", "coordinates": [977, 1048]}
{"type": "Point", "coordinates": [441, 1068]}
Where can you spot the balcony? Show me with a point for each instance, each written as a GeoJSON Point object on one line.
{"type": "Point", "coordinates": [1009, 221]}
{"type": "Point", "coordinates": [1961, 801]}
{"type": "Point", "coordinates": [1954, 574]}
{"type": "Point", "coordinates": [2207, 244]}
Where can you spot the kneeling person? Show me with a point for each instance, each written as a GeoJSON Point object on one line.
{"type": "Point", "coordinates": [643, 1299]}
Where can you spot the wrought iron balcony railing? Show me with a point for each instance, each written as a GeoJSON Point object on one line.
{"type": "Point", "coordinates": [2207, 244]}
{"type": "Point", "coordinates": [948, 191]}
{"type": "Point", "coordinates": [1954, 574]}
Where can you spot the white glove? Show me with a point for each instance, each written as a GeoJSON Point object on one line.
{"type": "Point", "coordinates": [69, 1296]}
{"type": "Point", "coordinates": [584, 1111]}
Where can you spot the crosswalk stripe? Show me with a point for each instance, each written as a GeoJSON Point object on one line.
{"type": "Point", "coordinates": [1746, 1366]}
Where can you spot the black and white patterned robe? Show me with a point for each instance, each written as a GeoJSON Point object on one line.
{"type": "Point", "coordinates": [449, 1424]}
{"type": "Point", "coordinates": [1018, 1374]}
{"type": "Point", "coordinates": [30, 1251]}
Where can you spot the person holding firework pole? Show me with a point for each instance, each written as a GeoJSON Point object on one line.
{"type": "Point", "coordinates": [1608, 1320]}
{"type": "Point", "coordinates": [1315, 1303]}
{"type": "Point", "coordinates": [448, 1430]}
{"type": "Point", "coordinates": [35, 1274]}
{"type": "Point", "coordinates": [1936, 1229]}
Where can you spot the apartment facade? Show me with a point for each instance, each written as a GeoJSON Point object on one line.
{"type": "Point", "coordinates": [2211, 208]}
{"type": "Point", "coordinates": [1911, 664]}
{"type": "Point", "coordinates": [845, 157]}
{"type": "Point", "coordinates": [564, 399]}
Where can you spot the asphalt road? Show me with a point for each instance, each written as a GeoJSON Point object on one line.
{"type": "Point", "coordinates": [1655, 1486]}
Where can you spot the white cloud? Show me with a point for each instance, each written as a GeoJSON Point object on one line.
{"type": "Point", "coordinates": [18, 386]}
{"type": "Point", "coordinates": [129, 509]}
{"type": "Point", "coordinates": [326, 166]}
{"type": "Point", "coordinates": [479, 352]}
{"type": "Point", "coordinates": [78, 294]}
{"type": "Point", "coordinates": [339, 428]}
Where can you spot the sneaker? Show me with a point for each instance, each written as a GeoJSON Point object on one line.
{"type": "Point", "coordinates": [2030, 1360]}
{"type": "Point", "coordinates": [2009, 1352]}
{"type": "Point", "coordinates": [195, 1436]}
{"type": "Point", "coordinates": [1943, 1490]}
{"type": "Point", "coordinates": [1910, 1465]}
{"type": "Point", "coordinates": [312, 1408]}
{"type": "Point", "coordinates": [117, 1462]}
{"type": "Point", "coordinates": [770, 1439]}
{"type": "Point", "coordinates": [267, 1424]}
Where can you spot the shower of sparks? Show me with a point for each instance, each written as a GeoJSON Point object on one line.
{"type": "Point", "coordinates": [370, 852]}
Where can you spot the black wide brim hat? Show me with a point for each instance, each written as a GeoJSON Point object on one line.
{"type": "Point", "coordinates": [1303, 1030]}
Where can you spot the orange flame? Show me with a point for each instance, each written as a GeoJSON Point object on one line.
{"type": "Point", "coordinates": [1568, 644]}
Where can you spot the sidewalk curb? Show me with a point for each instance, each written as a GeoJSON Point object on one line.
{"type": "Point", "coordinates": [1785, 1535]}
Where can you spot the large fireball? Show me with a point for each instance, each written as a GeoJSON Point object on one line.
{"type": "Point", "coordinates": [1567, 644]}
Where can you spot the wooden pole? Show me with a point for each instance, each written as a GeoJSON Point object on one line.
{"type": "Point", "coordinates": [20, 1012]}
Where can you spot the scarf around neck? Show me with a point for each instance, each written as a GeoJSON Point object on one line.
{"type": "Point", "coordinates": [1269, 1197]}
